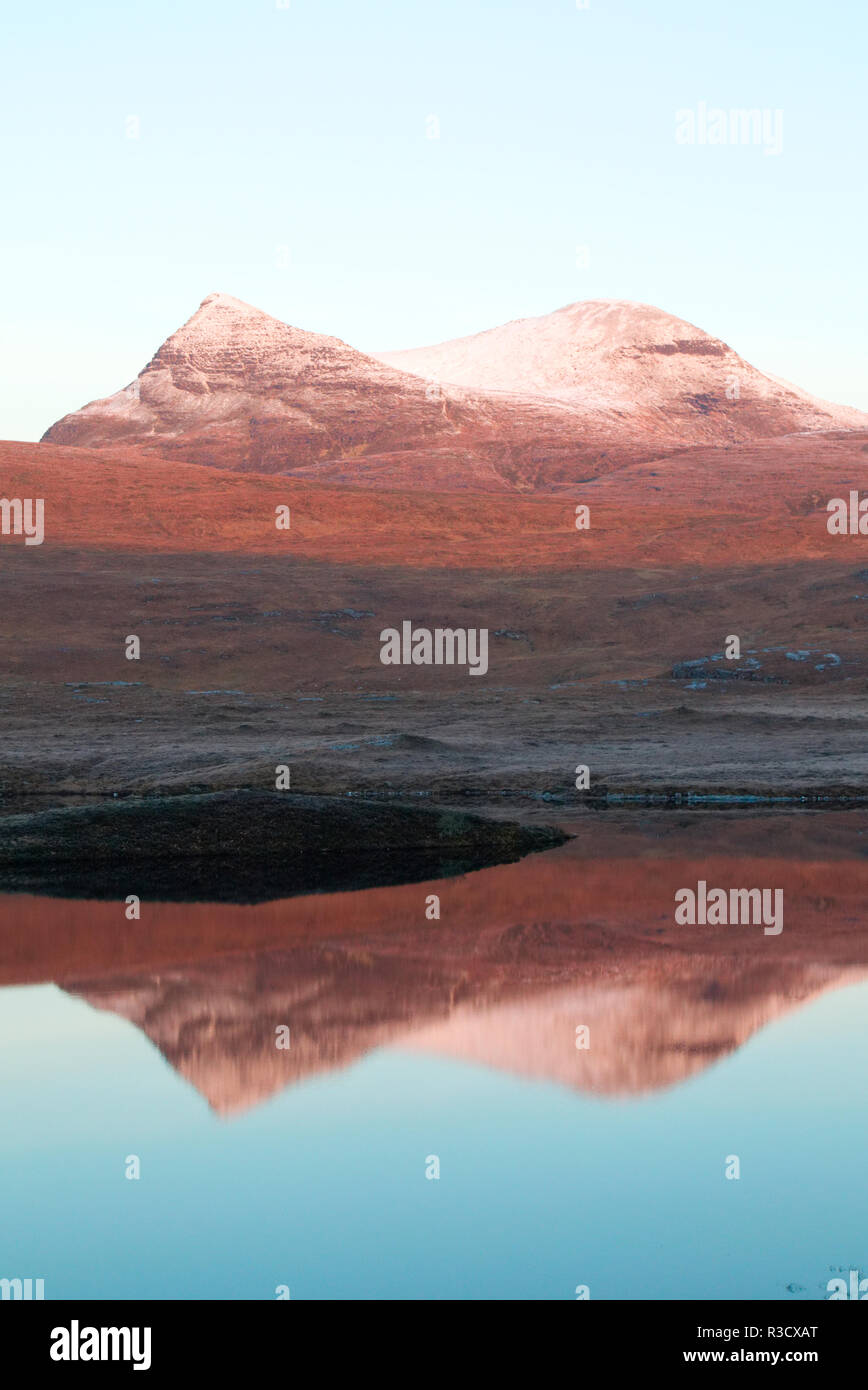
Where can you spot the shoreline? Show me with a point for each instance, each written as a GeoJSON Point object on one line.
{"type": "Point", "coordinates": [248, 846]}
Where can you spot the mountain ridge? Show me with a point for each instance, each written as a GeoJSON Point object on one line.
{"type": "Point", "coordinates": [533, 405]}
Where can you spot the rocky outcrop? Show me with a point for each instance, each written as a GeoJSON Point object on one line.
{"type": "Point", "coordinates": [246, 846]}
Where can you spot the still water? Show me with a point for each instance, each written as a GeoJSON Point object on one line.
{"type": "Point", "coordinates": [455, 1037]}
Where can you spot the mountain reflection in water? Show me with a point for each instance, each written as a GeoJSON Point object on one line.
{"type": "Point", "coordinates": [522, 955]}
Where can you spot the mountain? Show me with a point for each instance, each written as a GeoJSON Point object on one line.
{"type": "Point", "coordinates": [539, 404]}
{"type": "Point", "coordinates": [236, 388]}
{"type": "Point", "coordinates": [609, 355]}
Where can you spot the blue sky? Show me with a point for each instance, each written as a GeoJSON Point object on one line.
{"type": "Point", "coordinates": [283, 156]}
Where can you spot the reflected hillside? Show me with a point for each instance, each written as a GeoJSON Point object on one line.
{"type": "Point", "coordinates": [521, 955]}
{"type": "Point", "coordinates": [650, 1026]}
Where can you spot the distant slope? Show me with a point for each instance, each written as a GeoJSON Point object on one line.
{"type": "Point", "coordinates": [752, 504]}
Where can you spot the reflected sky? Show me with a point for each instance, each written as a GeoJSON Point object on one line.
{"type": "Point", "coordinates": [323, 1188]}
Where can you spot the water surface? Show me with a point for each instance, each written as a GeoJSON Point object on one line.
{"type": "Point", "coordinates": [413, 1037]}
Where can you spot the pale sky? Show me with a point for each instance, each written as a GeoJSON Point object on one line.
{"type": "Point", "coordinates": [284, 155]}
